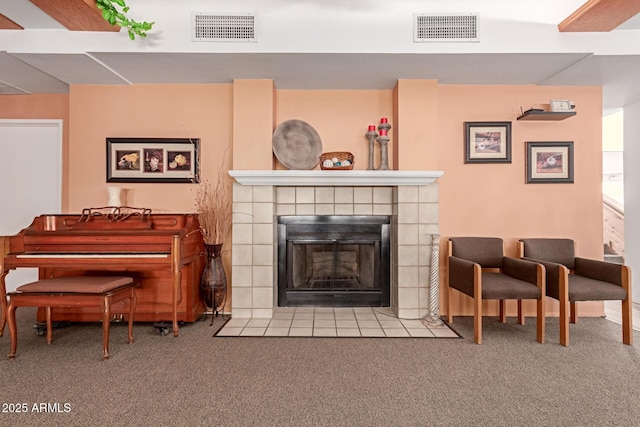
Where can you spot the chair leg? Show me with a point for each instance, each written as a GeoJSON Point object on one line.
{"type": "Point", "coordinates": [477, 304]}
{"type": "Point", "coordinates": [564, 323]}
{"type": "Point", "coordinates": [520, 313]}
{"type": "Point", "coordinates": [449, 295]}
{"type": "Point", "coordinates": [564, 310]}
{"type": "Point", "coordinates": [574, 312]}
{"type": "Point", "coordinates": [477, 319]}
{"type": "Point", "coordinates": [627, 310]}
{"type": "Point", "coordinates": [627, 326]}
{"type": "Point", "coordinates": [503, 311]}
{"type": "Point", "coordinates": [540, 319]}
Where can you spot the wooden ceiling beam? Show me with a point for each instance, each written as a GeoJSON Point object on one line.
{"type": "Point", "coordinates": [8, 24]}
{"type": "Point", "coordinates": [600, 15]}
{"type": "Point", "coordinates": [76, 15]}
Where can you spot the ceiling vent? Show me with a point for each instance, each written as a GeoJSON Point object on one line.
{"type": "Point", "coordinates": [237, 27]}
{"type": "Point", "coordinates": [445, 28]}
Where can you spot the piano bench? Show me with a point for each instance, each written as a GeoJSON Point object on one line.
{"type": "Point", "coordinates": [76, 291]}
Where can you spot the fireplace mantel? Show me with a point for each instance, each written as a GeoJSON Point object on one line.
{"type": "Point", "coordinates": [351, 178]}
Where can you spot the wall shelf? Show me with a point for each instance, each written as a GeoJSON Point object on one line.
{"type": "Point", "coordinates": [546, 115]}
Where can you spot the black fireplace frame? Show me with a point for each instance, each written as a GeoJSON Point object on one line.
{"type": "Point", "coordinates": [335, 229]}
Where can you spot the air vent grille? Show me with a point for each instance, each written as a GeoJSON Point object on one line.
{"type": "Point", "coordinates": [214, 27]}
{"type": "Point", "coordinates": [445, 28]}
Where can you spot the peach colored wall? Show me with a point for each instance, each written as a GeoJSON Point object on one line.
{"type": "Point", "coordinates": [493, 199]}
{"type": "Point", "coordinates": [340, 117]}
{"type": "Point", "coordinates": [417, 129]}
{"type": "Point", "coordinates": [34, 106]}
{"type": "Point", "coordinates": [475, 199]}
{"type": "Point", "coordinates": [178, 111]}
{"type": "Point", "coordinates": [50, 106]}
{"type": "Point", "coordinates": [253, 107]}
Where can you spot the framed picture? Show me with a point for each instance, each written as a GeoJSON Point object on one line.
{"type": "Point", "coordinates": [487, 142]}
{"type": "Point", "coordinates": [549, 162]}
{"type": "Point", "coordinates": [171, 160]}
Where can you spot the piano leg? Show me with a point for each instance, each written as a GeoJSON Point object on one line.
{"type": "Point", "coordinates": [175, 311]}
{"type": "Point", "coordinates": [176, 272]}
{"type": "Point", "coordinates": [13, 330]}
{"type": "Point", "coordinates": [3, 302]}
{"type": "Point", "coordinates": [133, 300]}
{"type": "Point", "coordinates": [49, 325]}
{"type": "Point", "coordinates": [106, 319]}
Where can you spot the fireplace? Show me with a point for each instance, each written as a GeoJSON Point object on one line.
{"type": "Point", "coordinates": [334, 260]}
{"type": "Point", "coordinates": [408, 198]}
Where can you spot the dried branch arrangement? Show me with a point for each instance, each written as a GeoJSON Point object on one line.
{"type": "Point", "coordinates": [213, 207]}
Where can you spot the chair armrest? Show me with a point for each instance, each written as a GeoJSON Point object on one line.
{"type": "Point", "coordinates": [521, 269]}
{"type": "Point", "coordinates": [599, 270]}
{"type": "Point", "coordinates": [552, 270]}
{"type": "Point", "coordinates": [461, 274]}
{"type": "Point", "coordinates": [555, 272]}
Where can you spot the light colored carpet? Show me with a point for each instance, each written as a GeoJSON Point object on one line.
{"type": "Point", "coordinates": [197, 379]}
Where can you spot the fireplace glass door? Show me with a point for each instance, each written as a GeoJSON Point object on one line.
{"type": "Point", "coordinates": [333, 261]}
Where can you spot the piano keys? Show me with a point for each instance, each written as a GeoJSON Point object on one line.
{"type": "Point", "coordinates": [163, 252]}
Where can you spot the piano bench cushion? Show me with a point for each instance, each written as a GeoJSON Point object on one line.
{"type": "Point", "coordinates": [77, 284]}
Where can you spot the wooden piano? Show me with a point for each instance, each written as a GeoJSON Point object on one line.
{"type": "Point", "coordinates": [162, 252]}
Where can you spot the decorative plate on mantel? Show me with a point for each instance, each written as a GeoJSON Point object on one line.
{"type": "Point", "coordinates": [297, 145]}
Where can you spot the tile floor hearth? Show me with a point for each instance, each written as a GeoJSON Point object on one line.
{"type": "Point", "coordinates": [333, 322]}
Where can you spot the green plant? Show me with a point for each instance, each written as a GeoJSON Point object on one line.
{"type": "Point", "coordinates": [112, 14]}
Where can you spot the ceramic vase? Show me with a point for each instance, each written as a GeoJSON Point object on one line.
{"type": "Point", "coordinates": [213, 284]}
{"type": "Point", "coordinates": [114, 196]}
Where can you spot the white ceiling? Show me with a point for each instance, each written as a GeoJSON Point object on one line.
{"type": "Point", "coordinates": [321, 52]}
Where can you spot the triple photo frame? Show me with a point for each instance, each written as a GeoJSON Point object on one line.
{"type": "Point", "coordinates": [153, 160]}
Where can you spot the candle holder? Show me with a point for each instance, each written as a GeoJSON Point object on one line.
{"type": "Point", "coordinates": [383, 139]}
{"type": "Point", "coordinates": [371, 136]}
{"type": "Point", "coordinates": [384, 159]}
{"type": "Point", "coordinates": [384, 126]}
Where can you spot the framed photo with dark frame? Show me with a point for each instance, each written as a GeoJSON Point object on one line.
{"type": "Point", "coordinates": [153, 160]}
{"type": "Point", "coordinates": [549, 162]}
{"type": "Point", "coordinates": [487, 142]}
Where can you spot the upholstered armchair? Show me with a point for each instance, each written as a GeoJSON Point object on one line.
{"type": "Point", "coordinates": [478, 268]}
{"type": "Point", "coordinates": [571, 279]}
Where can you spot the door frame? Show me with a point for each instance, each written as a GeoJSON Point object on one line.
{"type": "Point", "coordinates": [15, 279]}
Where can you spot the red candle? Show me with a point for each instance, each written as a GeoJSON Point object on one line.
{"type": "Point", "coordinates": [383, 132]}
{"type": "Point", "coordinates": [383, 120]}
{"type": "Point", "coordinates": [372, 127]}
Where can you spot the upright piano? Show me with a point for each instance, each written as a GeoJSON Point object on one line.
{"type": "Point", "coordinates": [164, 253]}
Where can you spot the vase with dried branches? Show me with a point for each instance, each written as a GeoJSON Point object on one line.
{"type": "Point", "coordinates": [213, 208]}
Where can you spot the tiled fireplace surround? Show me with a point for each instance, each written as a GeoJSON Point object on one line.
{"type": "Point", "coordinates": [259, 197]}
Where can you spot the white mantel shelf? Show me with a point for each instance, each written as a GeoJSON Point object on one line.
{"type": "Point", "coordinates": [344, 178]}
